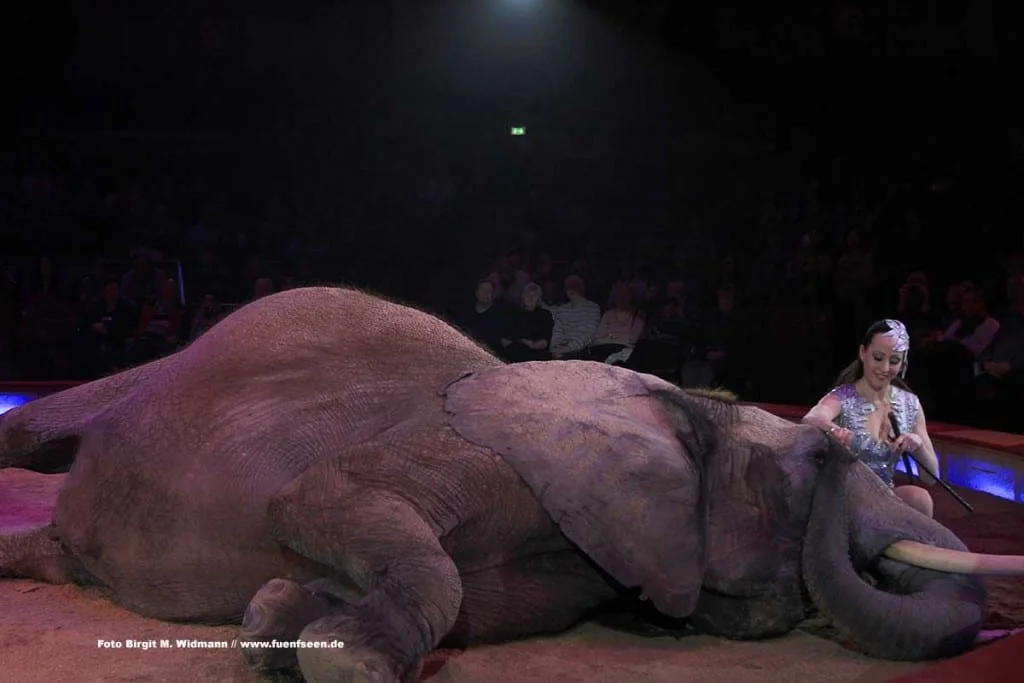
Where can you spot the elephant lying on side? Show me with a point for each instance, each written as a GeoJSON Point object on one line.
{"type": "Point", "coordinates": [325, 465]}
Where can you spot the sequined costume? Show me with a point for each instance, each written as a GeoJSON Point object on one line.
{"type": "Point", "coordinates": [877, 455]}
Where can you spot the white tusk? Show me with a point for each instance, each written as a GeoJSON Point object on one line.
{"type": "Point", "coordinates": [955, 561]}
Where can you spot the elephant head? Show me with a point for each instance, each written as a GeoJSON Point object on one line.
{"type": "Point", "coordinates": [723, 513]}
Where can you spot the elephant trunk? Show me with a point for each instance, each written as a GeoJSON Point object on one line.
{"type": "Point", "coordinates": [914, 613]}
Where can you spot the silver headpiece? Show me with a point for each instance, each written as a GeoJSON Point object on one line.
{"type": "Point", "coordinates": [898, 333]}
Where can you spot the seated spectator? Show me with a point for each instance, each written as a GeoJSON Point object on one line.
{"type": "Point", "coordinates": [263, 286]}
{"type": "Point", "coordinates": [668, 336]}
{"type": "Point", "coordinates": [208, 315]}
{"type": "Point", "coordinates": [618, 331]}
{"type": "Point", "coordinates": [974, 328]}
{"type": "Point", "coordinates": [720, 354]}
{"type": "Point", "coordinates": [141, 284]}
{"type": "Point", "coordinates": [1000, 369]}
{"type": "Point", "coordinates": [488, 320]}
{"type": "Point", "coordinates": [576, 320]}
{"type": "Point", "coordinates": [509, 279]}
{"type": "Point", "coordinates": [672, 321]}
{"type": "Point", "coordinates": [915, 310]}
{"type": "Point", "coordinates": [630, 281]}
{"type": "Point", "coordinates": [207, 275]}
{"type": "Point", "coordinates": [943, 373]}
{"type": "Point", "coordinates": [49, 324]}
{"type": "Point", "coordinates": [954, 296]}
{"type": "Point", "coordinates": [109, 323]}
{"type": "Point", "coordinates": [553, 295]}
{"type": "Point", "coordinates": [529, 331]}
{"type": "Point", "coordinates": [159, 326]}
{"type": "Point", "coordinates": [544, 273]}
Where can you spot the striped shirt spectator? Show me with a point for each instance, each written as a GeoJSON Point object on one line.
{"type": "Point", "coordinates": [575, 321]}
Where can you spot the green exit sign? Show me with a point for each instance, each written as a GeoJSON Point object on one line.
{"type": "Point", "coordinates": [518, 130]}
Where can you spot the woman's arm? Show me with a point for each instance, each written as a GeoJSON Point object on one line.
{"type": "Point", "coordinates": [823, 415]}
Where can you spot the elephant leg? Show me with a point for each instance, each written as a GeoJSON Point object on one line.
{"type": "Point", "coordinates": [412, 591]}
{"type": "Point", "coordinates": [33, 554]}
{"type": "Point", "coordinates": [278, 612]}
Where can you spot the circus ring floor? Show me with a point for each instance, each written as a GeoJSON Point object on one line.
{"type": "Point", "coordinates": [51, 632]}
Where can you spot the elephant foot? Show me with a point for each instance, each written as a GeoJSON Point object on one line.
{"type": "Point", "coordinates": [35, 555]}
{"type": "Point", "coordinates": [331, 650]}
{"type": "Point", "coordinates": [278, 612]}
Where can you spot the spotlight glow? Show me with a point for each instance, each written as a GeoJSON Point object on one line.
{"type": "Point", "coordinates": [12, 401]}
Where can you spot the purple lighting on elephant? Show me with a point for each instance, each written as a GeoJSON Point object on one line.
{"type": "Point", "coordinates": [12, 401]}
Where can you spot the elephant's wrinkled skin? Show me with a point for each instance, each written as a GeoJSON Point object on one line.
{"type": "Point", "coordinates": [326, 465]}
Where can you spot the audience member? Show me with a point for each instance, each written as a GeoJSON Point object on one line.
{"type": "Point", "coordinates": [110, 322]}
{"type": "Point", "coordinates": [576, 320]}
{"type": "Point", "coordinates": [915, 310]}
{"type": "Point", "coordinates": [618, 330]}
{"type": "Point", "coordinates": [720, 353]}
{"type": "Point", "coordinates": [1000, 369]}
{"type": "Point", "coordinates": [509, 279]}
{"type": "Point", "coordinates": [160, 326]}
{"type": "Point", "coordinates": [141, 284]}
{"type": "Point", "coordinates": [943, 374]}
{"type": "Point", "coordinates": [973, 328]}
{"type": "Point", "coordinates": [208, 315]}
{"type": "Point", "coordinates": [263, 286]}
{"type": "Point", "coordinates": [631, 283]}
{"type": "Point", "coordinates": [486, 321]}
{"type": "Point", "coordinates": [49, 319]}
{"type": "Point", "coordinates": [528, 334]}
{"type": "Point", "coordinates": [667, 337]}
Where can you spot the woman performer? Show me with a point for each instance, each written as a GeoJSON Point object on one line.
{"type": "Point", "coordinates": [857, 411]}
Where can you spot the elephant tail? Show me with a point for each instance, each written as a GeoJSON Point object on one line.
{"type": "Point", "coordinates": [43, 435]}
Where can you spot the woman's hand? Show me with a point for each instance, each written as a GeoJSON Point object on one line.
{"type": "Point", "coordinates": [908, 443]}
{"type": "Point", "coordinates": [841, 434]}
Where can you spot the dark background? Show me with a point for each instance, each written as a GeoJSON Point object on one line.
{"type": "Point", "coordinates": [379, 131]}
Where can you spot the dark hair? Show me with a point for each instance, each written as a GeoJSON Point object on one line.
{"type": "Point", "coordinates": [855, 370]}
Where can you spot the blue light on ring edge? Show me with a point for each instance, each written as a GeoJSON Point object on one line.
{"type": "Point", "coordinates": [12, 401]}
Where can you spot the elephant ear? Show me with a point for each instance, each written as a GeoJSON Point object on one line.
{"type": "Point", "coordinates": [604, 458]}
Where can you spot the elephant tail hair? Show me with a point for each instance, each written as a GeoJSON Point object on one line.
{"type": "Point", "coordinates": [713, 393]}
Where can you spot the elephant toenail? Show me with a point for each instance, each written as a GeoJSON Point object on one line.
{"type": "Point", "coordinates": [253, 618]}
